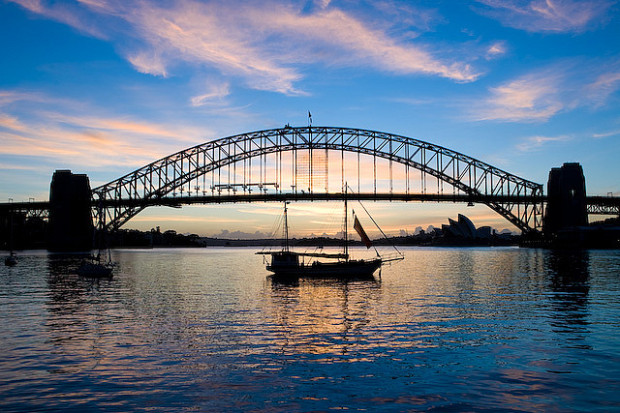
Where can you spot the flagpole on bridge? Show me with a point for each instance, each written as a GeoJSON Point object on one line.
{"type": "Point", "coordinates": [310, 180]}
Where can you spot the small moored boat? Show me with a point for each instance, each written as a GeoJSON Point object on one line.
{"type": "Point", "coordinates": [11, 260]}
{"type": "Point", "coordinates": [94, 269]}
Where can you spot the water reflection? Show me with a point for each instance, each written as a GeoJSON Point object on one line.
{"type": "Point", "coordinates": [76, 308]}
{"type": "Point", "coordinates": [323, 315]}
{"type": "Point", "coordinates": [448, 329]}
{"type": "Point", "coordinates": [569, 271]}
{"type": "Point", "coordinates": [569, 276]}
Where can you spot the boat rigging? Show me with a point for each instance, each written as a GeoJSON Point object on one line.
{"type": "Point", "coordinates": [288, 263]}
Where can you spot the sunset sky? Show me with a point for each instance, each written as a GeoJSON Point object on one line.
{"type": "Point", "coordinates": [104, 87]}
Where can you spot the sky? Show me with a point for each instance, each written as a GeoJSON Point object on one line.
{"type": "Point", "coordinates": [104, 87]}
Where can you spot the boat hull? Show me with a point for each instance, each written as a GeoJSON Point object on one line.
{"type": "Point", "coordinates": [341, 269]}
{"type": "Point", "coordinates": [88, 269]}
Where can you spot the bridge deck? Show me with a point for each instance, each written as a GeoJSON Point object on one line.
{"type": "Point", "coordinates": [595, 203]}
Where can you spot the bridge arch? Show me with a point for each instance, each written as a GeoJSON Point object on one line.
{"type": "Point", "coordinates": [516, 199]}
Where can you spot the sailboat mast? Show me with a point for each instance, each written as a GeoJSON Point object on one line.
{"type": "Point", "coordinates": [346, 230]}
{"type": "Point", "coordinates": [286, 246]}
{"type": "Point", "coordinates": [11, 232]}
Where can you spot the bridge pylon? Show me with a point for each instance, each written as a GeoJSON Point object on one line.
{"type": "Point", "coordinates": [566, 199]}
{"type": "Point", "coordinates": [70, 220]}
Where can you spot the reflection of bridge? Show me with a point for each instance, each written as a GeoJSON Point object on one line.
{"type": "Point", "coordinates": [313, 163]}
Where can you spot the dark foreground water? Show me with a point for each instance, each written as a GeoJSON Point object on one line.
{"type": "Point", "coordinates": [205, 330]}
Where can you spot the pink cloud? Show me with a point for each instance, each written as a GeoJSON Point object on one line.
{"type": "Point", "coordinates": [347, 40]}
{"type": "Point", "coordinates": [65, 13]}
{"type": "Point", "coordinates": [534, 97]}
{"type": "Point", "coordinates": [558, 16]}
{"type": "Point", "coordinates": [87, 140]}
{"type": "Point", "coordinates": [540, 95]}
{"type": "Point", "coordinates": [533, 143]}
{"type": "Point", "coordinates": [264, 43]}
{"type": "Point", "coordinates": [215, 92]}
{"type": "Point", "coordinates": [604, 85]}
{"type": "Point", "coordinates": [495, 50]}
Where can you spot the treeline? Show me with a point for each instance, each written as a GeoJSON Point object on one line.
{"type": "Point", "coordinates": [153, 238]}
{"type": "Point", "coordinates": [20, 232]}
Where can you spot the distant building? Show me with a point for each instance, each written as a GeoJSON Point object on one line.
{"type": "Point", "coordinates": [465, 229]}
{"type": "Point", "coordinates": [464, 232]}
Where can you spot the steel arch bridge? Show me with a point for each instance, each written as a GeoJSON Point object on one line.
{"type": "Point", "coordinates": [222, 171]}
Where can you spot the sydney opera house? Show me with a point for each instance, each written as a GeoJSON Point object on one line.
{"type": "Point", "coordinates": [464, 228]}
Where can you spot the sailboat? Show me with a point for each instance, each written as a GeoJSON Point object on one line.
{"type": "Point", "coordinates": [288, 263]}
{"type": "Point", "coordinates": [11, 260]}
{"type": "Point", "coordinates": [94, 266]}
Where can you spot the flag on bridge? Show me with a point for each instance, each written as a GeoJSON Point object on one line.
{"type": "Point", "coordinates": [358, 227]}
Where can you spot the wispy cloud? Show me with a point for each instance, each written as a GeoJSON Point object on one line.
{"type": "Point", "coordinates": [606, 134]}
{"type": "Point", "coordinates": [539, 95]}
{"type": "Point", "coordinates": [604, 85]}
{"type": "Point", "coordinates": [68, 137]}
{"type": "Point", "coordinates": [409, 15]}
{"type": "Point", "coordinates": [148, 62]}
{"type": "Point", "coordinates": [214, 94]}
{"type": "Point", "coordinates": [11, 123]}
{"type": "Point", "coordinates": [10, 96]}
{"type": "Point", "coordinates": [123, 125]}
{"type": "Point", "coordinates": [559, 16]}
{"type": "Point", "coordinates": [65, 12]}
{"type": "Point", "coordinates": [495, 50]}
{"type": "Point", "coordinates": [265, 43]}
{"type": "Point", "coordinates": [532, 97]}
{"type": "Point", "coordinates": [534, 143]}
{"type": "Point", "coordinates": [411, 101]}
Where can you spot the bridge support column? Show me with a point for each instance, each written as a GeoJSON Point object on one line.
{"type": "Point", "coordinates": [566, 194]}
{"type": "Point", "coordinates": [70, 220]}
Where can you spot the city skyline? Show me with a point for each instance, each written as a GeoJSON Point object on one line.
{"type": "Point", "coordinates": [104, 87]}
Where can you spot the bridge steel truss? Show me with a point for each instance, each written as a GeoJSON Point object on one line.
{"type": "Point", "coordinates": [518, 200]}
{"type": "Point", "coordinates": [27, 209]}
{"type": "Point", "coordinates": [603, 205]}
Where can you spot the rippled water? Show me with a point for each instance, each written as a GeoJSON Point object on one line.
{"type": "Point", "coordinates": [448, 329]}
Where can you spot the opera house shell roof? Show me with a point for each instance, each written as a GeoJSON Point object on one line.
{"type": "Point", "coordinates": [464, 228]}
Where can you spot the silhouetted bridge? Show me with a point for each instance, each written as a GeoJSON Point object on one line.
{"type": "Point", "coordinates": [313, 164]}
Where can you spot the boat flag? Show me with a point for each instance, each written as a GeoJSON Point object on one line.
{"type": "Point", "coordinates": [358, 227]}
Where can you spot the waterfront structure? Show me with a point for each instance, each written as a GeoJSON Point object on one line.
{"type": "Point", "coordinates": [465, 229]}
{"type": "Point", "coordinates": [293, 164]}
{"type": "Point", "coordinates": [566, 198]}
{"type": "Point", "coordinates": [70, 220]}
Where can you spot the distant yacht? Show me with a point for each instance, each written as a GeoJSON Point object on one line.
{"type": "Point", "coordinates": [95, 268]}
{"type": "Point", "coordinates": [287, 263]}
{"type": "Point", "coordinates": [11, 260]}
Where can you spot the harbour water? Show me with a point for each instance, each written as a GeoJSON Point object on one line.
{"type": "Point", "coordinates": [469, 329]}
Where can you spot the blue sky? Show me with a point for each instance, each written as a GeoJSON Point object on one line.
{"type": "Point", "coordinates": [104, 87]}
